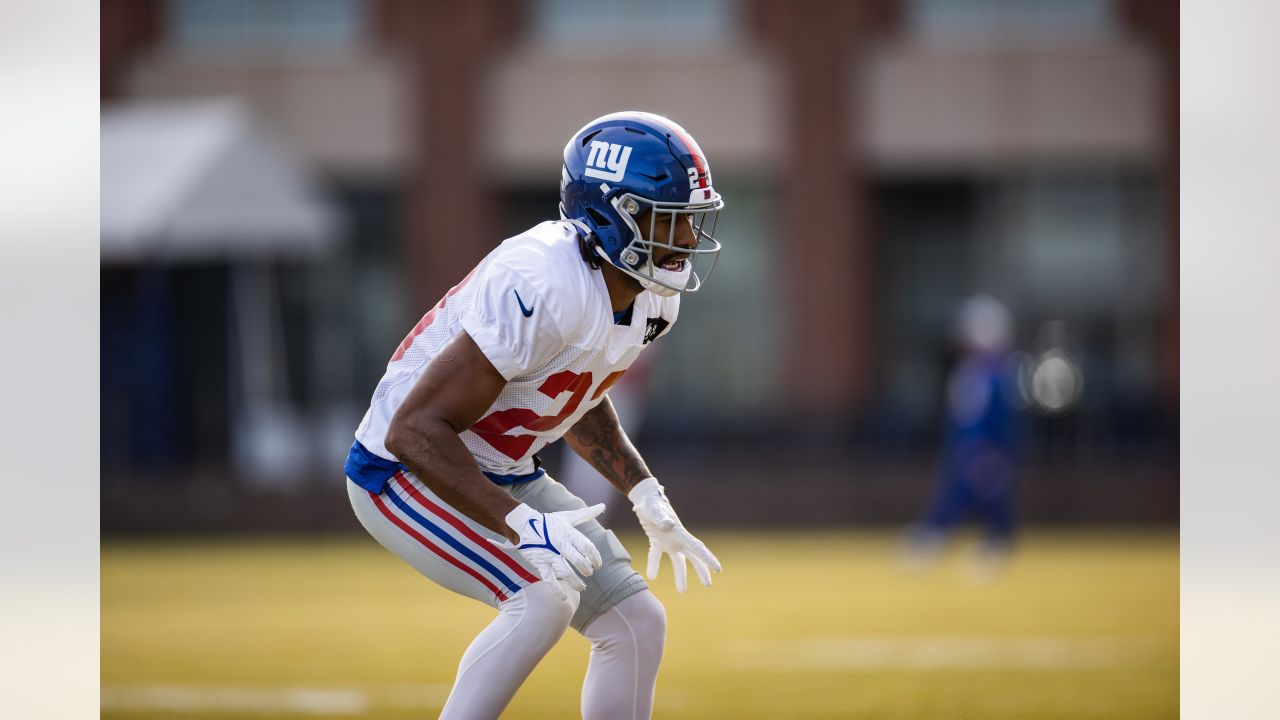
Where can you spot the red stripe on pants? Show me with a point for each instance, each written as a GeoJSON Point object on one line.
{"type": "Point", "coordinates": [472, 535]}
{"type": "Point", "coordinates": [433, 547]}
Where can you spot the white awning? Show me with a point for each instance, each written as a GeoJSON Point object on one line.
{"type": "Point", "coordinates": [200, 180]}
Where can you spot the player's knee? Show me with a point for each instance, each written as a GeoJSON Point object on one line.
{"type": "Point", "coordinates": [648, 621]}
{"type": "Point", "coordinates": [547, 614]}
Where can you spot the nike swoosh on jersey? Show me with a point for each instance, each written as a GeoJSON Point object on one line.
{"type": "Point", "coordinates": [528, 312]}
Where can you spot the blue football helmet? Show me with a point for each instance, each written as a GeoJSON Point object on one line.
{"type": "Point", "coordinates": [620, 166]}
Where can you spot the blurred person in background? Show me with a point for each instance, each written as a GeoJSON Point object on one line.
{"type": "Point", "coordinates": [978, 472]}
{"type": "Point", "coordinates": [520, 353]}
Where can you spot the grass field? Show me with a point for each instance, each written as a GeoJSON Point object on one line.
{"type": "Point", "coordinates": [814, 625]}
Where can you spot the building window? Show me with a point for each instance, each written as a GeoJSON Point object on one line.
{"type": "Point", "coordinates": [265, 24]}
{"type": "Point", "coordinates": [572, 23]}
{"type": "Point", "coordinates": [984, 18]}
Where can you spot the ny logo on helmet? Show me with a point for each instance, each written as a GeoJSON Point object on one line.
{"type": "Point", "coordinates": [607, 161]}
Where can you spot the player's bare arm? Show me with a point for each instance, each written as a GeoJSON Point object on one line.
{"type": "Point", "coordinates": [600, 440]}
{"type": "Point", "coordinates": [453, 393]}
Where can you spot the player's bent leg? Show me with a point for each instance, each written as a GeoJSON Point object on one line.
{"type": "Point", "coordinates": [448, 548]}
{"type": "Point", "coordinates": [626, 649]}
{"type": "Point", "coordinates": [458, 554]}
{"type": "Point", "coordinates": [504, 653]}
{"type": "Point", "coordinates": [623, 620]}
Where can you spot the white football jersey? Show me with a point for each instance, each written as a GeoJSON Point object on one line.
{"type": "Point", "coordinates": [543, 318]}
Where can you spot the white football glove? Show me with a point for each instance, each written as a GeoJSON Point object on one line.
{"type": "Point", "coordinates": [667, 535]}
{"type": "Point", "coordinates": [551, 543]}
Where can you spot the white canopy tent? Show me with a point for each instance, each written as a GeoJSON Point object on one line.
{"type": "Point", "coordinates": [200, 180]}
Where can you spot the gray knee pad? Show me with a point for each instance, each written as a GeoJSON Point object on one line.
{"type": "Point", "coordinates": [614, 582]}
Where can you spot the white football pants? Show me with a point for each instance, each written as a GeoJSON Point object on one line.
{"type": "Point", "coordinates": [624, 622]}
{"type": "Point", "coordinates": [626, 649]}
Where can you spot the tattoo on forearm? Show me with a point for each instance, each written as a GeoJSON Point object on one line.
{"type": "Point", "coordinates": [599, 439]}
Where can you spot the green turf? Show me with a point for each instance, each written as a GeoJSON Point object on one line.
{"type": "Point", "coordinates": [815, 625]}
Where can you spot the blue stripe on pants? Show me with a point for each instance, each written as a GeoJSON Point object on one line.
{"type": "Point", "coordinates": [450, 540]}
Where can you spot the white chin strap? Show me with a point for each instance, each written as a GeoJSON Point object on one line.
{"type": "Point", "coordinates": [677, 279]}
{"type": "Point", "coordinates": [674, 278]}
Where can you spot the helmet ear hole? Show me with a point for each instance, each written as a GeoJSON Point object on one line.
{"type": "Point", "coordinates": [597, 217]}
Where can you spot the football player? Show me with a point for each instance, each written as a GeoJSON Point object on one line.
{"type": "Point", "coordinates": [978, 473]}
{"type": "Point", "coordinates": [521, 352]}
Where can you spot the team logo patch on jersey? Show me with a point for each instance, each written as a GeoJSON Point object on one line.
{"type": "Point", "coordinates": [653, 329]}
{"type": "Point", "coordinates": [607, 161]}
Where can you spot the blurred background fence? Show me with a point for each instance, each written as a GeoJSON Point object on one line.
{"type": "Point", "coordinates": [288, 184]}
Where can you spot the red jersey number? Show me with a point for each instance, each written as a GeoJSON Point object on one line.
{"type": "Point", "coordinates": [492, 427]}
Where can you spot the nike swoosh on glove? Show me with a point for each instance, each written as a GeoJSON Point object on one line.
{"type": "Point", "coordinates": [668, 536]}
{"type": "Point", "coordinates": [555, 548]}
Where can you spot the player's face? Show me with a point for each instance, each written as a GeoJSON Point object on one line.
{"type": "Point", "coordinates": [668, 228]}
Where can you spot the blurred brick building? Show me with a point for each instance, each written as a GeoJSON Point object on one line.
{"type": "Point", "coordinates": [880, 159]}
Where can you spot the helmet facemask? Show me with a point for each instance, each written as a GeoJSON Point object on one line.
{"type": "Point", "coordinates": [637, 257]}
{"type": "Point", "coordinates": [644, 161]}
